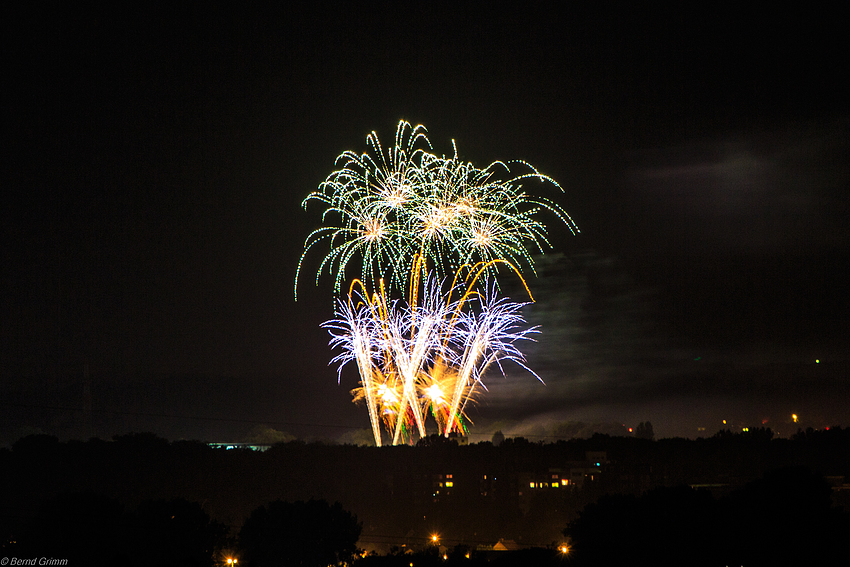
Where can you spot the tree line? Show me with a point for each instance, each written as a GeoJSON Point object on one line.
{"type": "Point", "coordinates": [140, 488]}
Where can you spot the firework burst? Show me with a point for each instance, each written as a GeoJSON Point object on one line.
{"type": "Point", "coordinates": [383, 208]}
{"type": "Point", "coordinates": [409, 219]}
{"type": "Point", "coordinates": [416, 360]}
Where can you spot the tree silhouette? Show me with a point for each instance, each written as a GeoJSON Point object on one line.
{"type": "Point", "coordinates": [84, 527]}
{"type": "Point", "coordinates": [307, 534]}
{"type": "Point", "coordinates": [498, 438]}
{"type": "Point", "coordinates": [665, 526]}
{"type": "Point", "coordinates": [644, 431]}
{"type": "Point", "coordinates": [786, 518]}
{"type": "Point", "coordinates": [437, 440]}
{"type": "Point", "coordinates": [174, 532]}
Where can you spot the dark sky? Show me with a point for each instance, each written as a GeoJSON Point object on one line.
{"type": "Point", "coordinates": [157, 157]}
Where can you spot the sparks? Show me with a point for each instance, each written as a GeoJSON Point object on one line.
{"type": "Point", "coordinates": [411, 220]}
{"type": "Point", "coordinates": [420, 357]}
{"type": "Point", "coordinates": [383, 207]}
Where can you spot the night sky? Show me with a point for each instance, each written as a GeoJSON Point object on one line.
{"type": "Point", "coordinates": [156, 160]}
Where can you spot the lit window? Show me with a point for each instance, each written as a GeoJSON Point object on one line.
{"type": "Point", "coordinates": [531, 485]}
{"type": "Point", "coordinates": [449, 484]}
{"type": "Point", "coordinates": [554, 485]}
{"type": "Point", "coordinates": [449, 476]}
